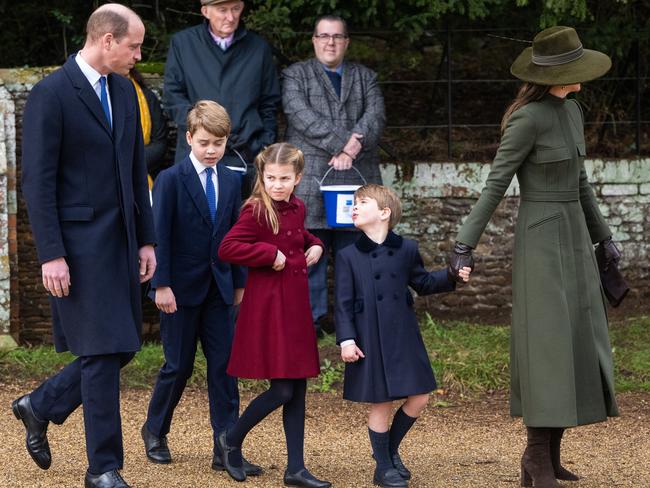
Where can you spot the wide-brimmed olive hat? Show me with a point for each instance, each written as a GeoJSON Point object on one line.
{"type": "Point", "coordinates": [558, 58]}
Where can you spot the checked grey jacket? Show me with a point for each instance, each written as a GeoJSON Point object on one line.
{"type": "Point", "coordinates": [320, 124]}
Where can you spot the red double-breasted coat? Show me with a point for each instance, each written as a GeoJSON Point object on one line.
{"type": "Point", "coordinates": [274, 335]}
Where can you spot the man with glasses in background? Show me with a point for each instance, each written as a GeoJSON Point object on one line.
{"type": "Point", "coordinates": [335, 115]}
{"type": "Point", "coordinates": [221, 60]}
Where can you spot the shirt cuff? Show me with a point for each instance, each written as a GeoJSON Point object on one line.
{"type": "Point", "coordinates": [349, 342]}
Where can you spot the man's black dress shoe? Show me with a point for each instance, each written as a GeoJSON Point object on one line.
{"type": "Point", "coordinates": [399, 466]}
{"type": "Point", "coordinates": [389, 478]}
{"type": "Point", "coordinates": [155, 447]}
{"type": "Point", "coordinates": [236, 472]}
{"type": "Point", "coordinates": [36, 438]}
{"type": "Point", "coordinates": [109, 479]}
{"type": "Point", "coordinates": [249, 468]}
{"type": "Point", "coordinates": [305, 479]}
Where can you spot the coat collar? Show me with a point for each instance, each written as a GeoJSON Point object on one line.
{"type": "Point", "coordinates": [365, 244]}
{"type": "Point", "coordinates": [192, 183]}
{"type": "Point", "coordinates": [292, 203]}
{"type": "Point", "coordinates": [88, 96]}
{"type": "Point", "coordinates": [347, 77]}
{"type": "Point", "coordinates": [239, 34]}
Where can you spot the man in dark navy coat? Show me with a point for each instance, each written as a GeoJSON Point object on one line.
{"type": "Point", "coordinates": [221, 60]}
{"type": "Point", "coordinates": [84, 182]}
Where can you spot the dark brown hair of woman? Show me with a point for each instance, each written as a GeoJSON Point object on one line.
{"type": "Point", "coordinates": [528, 92]}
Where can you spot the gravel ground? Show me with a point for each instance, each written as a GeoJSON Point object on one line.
{"type": "Point", "coordinates": [470, 444]}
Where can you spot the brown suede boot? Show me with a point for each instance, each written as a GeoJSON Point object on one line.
{"type": "Point", "coordinates": [560, 472]}
{"type": "Point", "coordinates": [536, 467]}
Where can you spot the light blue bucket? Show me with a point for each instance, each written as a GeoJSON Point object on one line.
{"type": "Point", "coordinates": [338, 200]}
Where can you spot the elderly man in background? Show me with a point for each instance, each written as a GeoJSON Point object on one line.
{"type": "Point", "coordinates": [85, 185]}
{"type": "Point", "coordinates": [222, 61]}
{"type": "Point", "coordinates": [335, 115]}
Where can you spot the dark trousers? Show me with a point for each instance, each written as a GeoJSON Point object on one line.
{"type": "Point", "coordinates": [212, 323]}
{"type": "Point", "coordinates": [333, 240]}
{"type": "Point", "coordinates": [93, 381]}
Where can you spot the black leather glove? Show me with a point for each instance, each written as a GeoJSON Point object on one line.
{"type": "Point", "coordinates": [611, 253]}
{"type": "Point", "coordinates": [460, 257]}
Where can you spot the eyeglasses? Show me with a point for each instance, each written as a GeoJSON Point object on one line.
{"type": "Point", "coordinates": [326, 38]}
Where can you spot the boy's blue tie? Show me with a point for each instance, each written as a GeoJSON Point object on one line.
{"type": "Point", "coordinates": [103, 97]}
{"type": "Point", "coordinates": [210, 193]}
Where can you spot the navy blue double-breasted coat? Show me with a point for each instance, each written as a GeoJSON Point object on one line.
{"type": "Point", "coordinates": [374, 306]}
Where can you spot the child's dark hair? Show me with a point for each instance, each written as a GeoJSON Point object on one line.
{"type": "Point", "coordinates": [281, 153]}
{"type": "Point", "coordinates": [386, 198]}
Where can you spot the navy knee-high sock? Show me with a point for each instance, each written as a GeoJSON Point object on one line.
{"type": "Point", "coordinates": [279, 393]}
{"type": "Point", "coordinates": [379, 443]}
{"type": "Point", "coordinates": [293, 419]}
{"type": "Point", "coordinates": [402, 423]}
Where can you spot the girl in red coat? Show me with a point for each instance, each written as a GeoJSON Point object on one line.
{"type": "Point", "coordinates": [274, 338]}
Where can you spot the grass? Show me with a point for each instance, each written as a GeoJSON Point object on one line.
{"type": "Point", "coordinates": [631, 346]}
{"type": "Point", "coordinates": [467, 359]}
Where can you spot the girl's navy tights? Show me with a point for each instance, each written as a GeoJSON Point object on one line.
{"type": "Point", "coordinates": [290, 394]}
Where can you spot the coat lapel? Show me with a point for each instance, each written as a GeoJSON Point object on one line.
{"type": "Point", "coordinates": [323, 80]}
{"type": "Point", "coordinates": [118, 104]}
{"type": "Point", "coordinates": [346, 81]}
{"type": "Point", "coordinates": [193, 186]}
{"type": "Point", "coordinates": [221, 197]}
{"type": "Point", "coordinates": [86, 92]}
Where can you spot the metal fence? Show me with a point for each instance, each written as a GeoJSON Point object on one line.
{"type": "Point", "coordinates": [450, 82]}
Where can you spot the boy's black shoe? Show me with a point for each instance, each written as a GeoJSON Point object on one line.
{"type": "Point", "coordinates": [155, 447]}
{"type": "Point", "coordinates": [389, 478]}
{"type": "Point", "coordinates": [36, 438]}
{"type": "Point", "coordinates": [305, 479]}
{"type": "Point", "coordinates": [109, 479]}
{"type": "Point", "coordinates": [249, 468]}
{"type": "Point", "coordinates": [399, 466]}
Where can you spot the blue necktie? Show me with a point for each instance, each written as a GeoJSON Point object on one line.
{"type": "Point", "coordinates": [103, 97]}
{"type": "Point", "coordinates": [210, 193]}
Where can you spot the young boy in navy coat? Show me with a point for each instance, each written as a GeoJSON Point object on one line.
{"type": "Point", "coordinates": [377, 329]}
{"type": "Point", "coordinates": [195, 202]}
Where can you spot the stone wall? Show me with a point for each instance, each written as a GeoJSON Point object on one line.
{"type": "Point", "coordinates": [7, 206]}
{"type": "Point", "coordinates": [436, 197]}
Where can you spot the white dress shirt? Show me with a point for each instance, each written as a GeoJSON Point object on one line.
{"type": "Point", "coordinates": [93, 76]}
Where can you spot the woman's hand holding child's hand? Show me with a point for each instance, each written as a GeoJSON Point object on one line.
{"type": "Point", "coordinates": [313, 254]}
{"type": "Point", "coordinates": [280, 260]}
{"type": "Point", "coordinates": [351, 353]}
{"type": "Point", "coordinates": [464, 273]}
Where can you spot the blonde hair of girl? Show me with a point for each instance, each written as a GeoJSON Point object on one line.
{"type": "Point", "coordinates": [281, 153]}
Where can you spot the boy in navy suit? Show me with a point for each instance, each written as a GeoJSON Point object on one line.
{"type": "Point", "coordinates": [377, 329]}
{"type": "Point", "coordinates": [195, 203]}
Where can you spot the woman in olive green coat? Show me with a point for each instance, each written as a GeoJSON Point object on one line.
{"type": "Point", "coordinates": [560, 359]}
